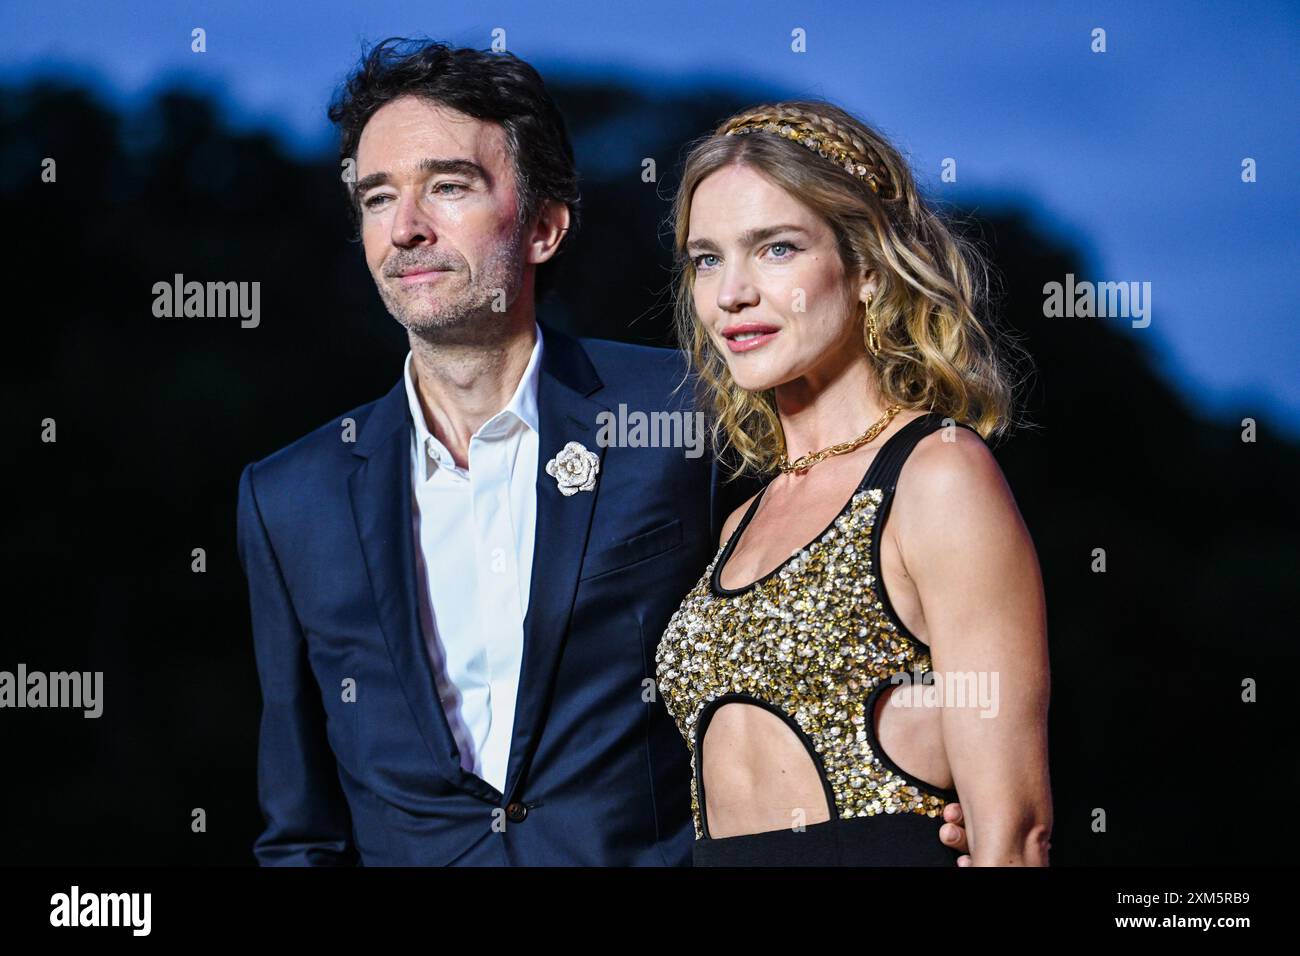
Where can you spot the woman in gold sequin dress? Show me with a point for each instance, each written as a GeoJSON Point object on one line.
{"type": "Point", "coordinates": [870, 639]}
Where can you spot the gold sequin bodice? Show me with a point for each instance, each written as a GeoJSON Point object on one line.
{"type": "Point", "coordinates": [811, 640]}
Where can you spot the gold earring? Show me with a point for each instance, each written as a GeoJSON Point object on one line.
{"type": "Point", "coordinates": [873, 337]}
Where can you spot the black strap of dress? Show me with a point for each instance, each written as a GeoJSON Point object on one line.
{"type": "Point", "coordinates": [881, 473]}
{"type": "Point", "coordinates": [888, 463]}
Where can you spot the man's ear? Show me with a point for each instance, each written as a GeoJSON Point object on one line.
{"type": "Point", "coordinates": [549, 230]}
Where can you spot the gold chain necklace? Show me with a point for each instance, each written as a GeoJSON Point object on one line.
{"type": "Point", "coordinates": [801, 465]}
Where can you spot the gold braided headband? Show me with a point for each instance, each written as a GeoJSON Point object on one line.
{"type": "Point", "coordinates": [809, 137]}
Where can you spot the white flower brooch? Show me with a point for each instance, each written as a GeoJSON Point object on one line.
{"type": "Point", "coordinates": [574, 469]}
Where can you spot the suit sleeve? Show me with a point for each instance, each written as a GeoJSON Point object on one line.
{"type": "Point", "coordinates": [305, 811]}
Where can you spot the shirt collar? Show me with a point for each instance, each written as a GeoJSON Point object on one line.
{"type": "Point", "coordinates": [522, 406]}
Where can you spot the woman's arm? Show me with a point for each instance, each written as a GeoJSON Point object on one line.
{"type": "Point", "coordinates": [966, 547]}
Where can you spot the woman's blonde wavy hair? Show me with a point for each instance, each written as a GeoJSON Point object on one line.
{"type": "Point", "coordinates": [936, 353]}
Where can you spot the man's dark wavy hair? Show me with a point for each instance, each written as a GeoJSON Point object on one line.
{"type": "Point", "coordinates": [496, 87]}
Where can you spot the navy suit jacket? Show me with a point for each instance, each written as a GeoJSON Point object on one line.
{"type": "Point", "coordinates": [598, 774]}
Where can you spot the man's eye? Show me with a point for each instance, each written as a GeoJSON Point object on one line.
{"type": "Point", "coordinates": [698, 261]}
{"type": "Point", "coordinates": [459, 186]}
{"type": "Point", "coordinates": [374, 201]}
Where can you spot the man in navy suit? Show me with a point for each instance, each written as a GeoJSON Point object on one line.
{"type": "Point", "coordinates": [456, 662]}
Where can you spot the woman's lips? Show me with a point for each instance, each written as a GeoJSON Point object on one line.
{"type": "Point", "coordinates": [751, 342]}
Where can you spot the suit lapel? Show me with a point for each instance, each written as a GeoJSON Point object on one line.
{"type": "Point", "coordinates": [565, 413]}
{"type": "Point", "coordinates": [381, 506]}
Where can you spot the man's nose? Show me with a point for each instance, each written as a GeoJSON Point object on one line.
{"type": "Point", "coordinates": [412, 225]}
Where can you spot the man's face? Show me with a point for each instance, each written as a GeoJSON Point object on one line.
{"type": "Point", "coordinates": [439, 218]}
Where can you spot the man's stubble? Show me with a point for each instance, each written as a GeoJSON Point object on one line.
{"type": "Point", "coordinates": [474, 313]}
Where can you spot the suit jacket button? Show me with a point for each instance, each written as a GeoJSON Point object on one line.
{"type": "Point", "coordinates": [516, 812]}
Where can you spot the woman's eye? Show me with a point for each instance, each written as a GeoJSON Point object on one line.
{"type": "Point", "coordinates": [699, 260]}
{"type": "Point", "coordinates": [783, 245]}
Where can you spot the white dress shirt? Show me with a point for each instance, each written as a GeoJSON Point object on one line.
{"type": "Point", "coordinates": [474, 527]}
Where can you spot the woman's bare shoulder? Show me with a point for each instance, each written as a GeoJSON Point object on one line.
{"type": "Point", "coordinates": [951, 490]}
{"type": "Point", "coordinates": [951, 462]}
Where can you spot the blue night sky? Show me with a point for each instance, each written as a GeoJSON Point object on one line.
{"type": "Point", "coordinates": [1134, 155]}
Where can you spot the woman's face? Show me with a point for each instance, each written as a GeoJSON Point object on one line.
{"type": "Point", "coordinates": [770, 287]}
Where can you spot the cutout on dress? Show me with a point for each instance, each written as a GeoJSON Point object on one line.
{"type": "Point", "coordinates": [912, 742]}
{"type": "Point", "coordinates": [758, 772]}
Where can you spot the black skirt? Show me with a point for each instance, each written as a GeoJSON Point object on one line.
{"type": "Point", "coordinates": [887, 839]}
